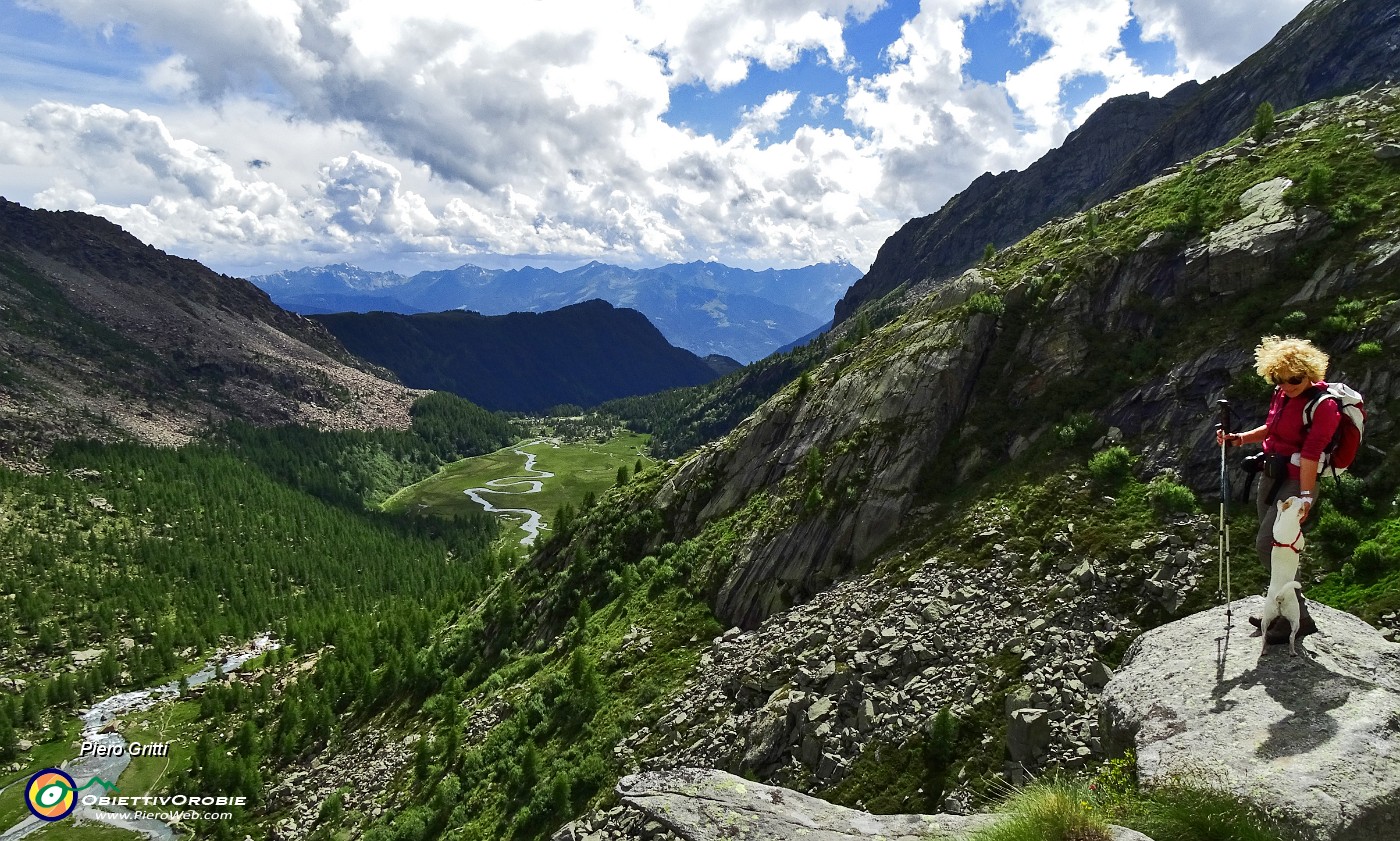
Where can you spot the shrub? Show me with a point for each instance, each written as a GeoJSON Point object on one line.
{"type": "Point", "coordinates": [1169, 497]}
{"type": "Point", "coordinates": [1353, 210]}
{"type": "Point", "coordinates": [1192, 221]}
{"type": "Point", "coordinates": [989, 253]}
{"type": "Point", "coordinates": [1336, 535]}
{"type": "Point", "coordinates": [1110, 467]}
{"type": "Point", "coordinates": [1369, 350]}
{"type": "Point", "coordinates": [1373, 558]}
{"type": "Point", "coordinates": [1076, 429]}
{"type": "Point", "coordinates": [1293, 322]}
{"type": "Point", "coordinates": [1336, 325]}
{"type": "Point", "coordinates": [1313, 188]}
{"type": "Point", "coordinates": [985, 302]}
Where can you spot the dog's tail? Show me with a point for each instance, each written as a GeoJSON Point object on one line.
{"type": "Point", "coordinates": [1283, 592]}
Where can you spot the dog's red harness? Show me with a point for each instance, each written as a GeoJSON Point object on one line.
{"type": "Point", "coordinates": [1294, 544]}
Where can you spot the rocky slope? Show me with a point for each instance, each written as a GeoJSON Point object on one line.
{"type": "Point", "coordinates": [1140, 325]}
{"type": "Point", "coordinates": [1310, 738]}
{"type": "Point", "coordinates": [1130, 139]}
{"type": "Point", "coordinates": [106, 337]}
{"type": "Point", "coordinates": [838, 528]}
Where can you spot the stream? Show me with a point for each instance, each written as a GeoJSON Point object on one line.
{"type": "Point", "coordinates": [533, 519]}
{"type": "Point", "coordinates": [109, 768]}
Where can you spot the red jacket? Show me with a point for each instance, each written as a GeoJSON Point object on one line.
{"type": "Point", "coordinates": [1285, 425]}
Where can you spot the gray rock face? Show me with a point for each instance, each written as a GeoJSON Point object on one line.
{"type": "Point", "coordinates": [704, 805]}
{"type": "Point", "coordinates": [1316, 737]}
{"type": "Point", "coordinates": [899, 410]}
{"type": "Point", "coordinates": [1239, 255]}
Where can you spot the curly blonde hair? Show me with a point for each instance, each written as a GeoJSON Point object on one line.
{"type": "Point", "coordinates": [1281, 357]}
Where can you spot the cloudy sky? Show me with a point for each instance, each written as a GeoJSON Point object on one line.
{"type": "Point", "coordinates": [257, 135]}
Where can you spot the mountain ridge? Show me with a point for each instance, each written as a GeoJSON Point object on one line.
{"type": "Point", "coordinates": [1310, 58]}
{"type": "Point", "coordinates": [107, 337]}
{"type": "Point", "coordinates": [581, 354]}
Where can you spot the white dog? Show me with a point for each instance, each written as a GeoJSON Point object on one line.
{"type": "Point", "coordinates": [1283, 570]}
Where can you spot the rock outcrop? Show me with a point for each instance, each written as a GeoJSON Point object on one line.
{"type": "Point", "coordinates": [1130, 139]}
{"type": "Point", "coordinates": [703, 805]}
{"type": "Point", "coordinates": [1315, 738]}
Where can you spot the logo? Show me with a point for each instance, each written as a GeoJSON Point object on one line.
{"type": "Point", "coordinates": [52, 795]}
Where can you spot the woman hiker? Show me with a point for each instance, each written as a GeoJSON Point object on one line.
{"type": "Point", "coordinates": [1292, 449]}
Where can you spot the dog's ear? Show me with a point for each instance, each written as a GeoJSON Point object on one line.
{"type": "Point", "coordinates": [1282, 504]}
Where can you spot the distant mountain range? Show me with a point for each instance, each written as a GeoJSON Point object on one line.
{"type": "Point", "coordinates": [581, 354]}
{"type": "Point", "coordinates": [708, 308]}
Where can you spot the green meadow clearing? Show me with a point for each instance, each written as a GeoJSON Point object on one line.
{"type": "Point", "coordinates": [579, 468]}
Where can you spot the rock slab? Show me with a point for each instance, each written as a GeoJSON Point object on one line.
{"type": "Point", "coordinates": [706, 805]}
{"type": "Point", "coordinates": [1315, 737]}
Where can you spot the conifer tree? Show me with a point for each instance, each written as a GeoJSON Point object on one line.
{"type": "Point", "coordinates": [9, 740]}
{"type": "Point", "coordinates": [1263, 122]}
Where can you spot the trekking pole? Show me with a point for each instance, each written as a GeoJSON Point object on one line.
{"type": "Point", "coordinates": [1222, 568]}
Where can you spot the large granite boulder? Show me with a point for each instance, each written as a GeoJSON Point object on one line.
{"type": "Point", "coordinates": [704, 805]}
{"type": "Point", "coordinates": [1315, 737]}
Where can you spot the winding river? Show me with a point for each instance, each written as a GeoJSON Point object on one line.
{"type": "Point", "coordinates": [533, 520]}
{"type": "Point", "coordinates": [109, 768]}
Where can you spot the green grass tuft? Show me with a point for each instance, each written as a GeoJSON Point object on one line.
{"type": "Point", "coordinates": [1049, 810]}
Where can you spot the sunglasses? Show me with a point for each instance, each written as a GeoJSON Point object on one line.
{"type": "Point", "coordinates": [1294, 380]}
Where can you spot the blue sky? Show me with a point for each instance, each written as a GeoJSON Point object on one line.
{"type": "Point", "coordinates": [256, 135]}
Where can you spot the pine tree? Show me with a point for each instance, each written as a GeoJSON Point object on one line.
{"type": "Point", "coordinates": [9, 740]}
{"type": "Point", "coordinates": [1263, 122]}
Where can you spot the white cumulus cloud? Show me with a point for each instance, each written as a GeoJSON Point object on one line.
{"type": "Point", "coordinates": [285, 129]}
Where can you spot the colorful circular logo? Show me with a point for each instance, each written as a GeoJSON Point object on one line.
{"type": "Point", "coordinates": [51, 795]}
